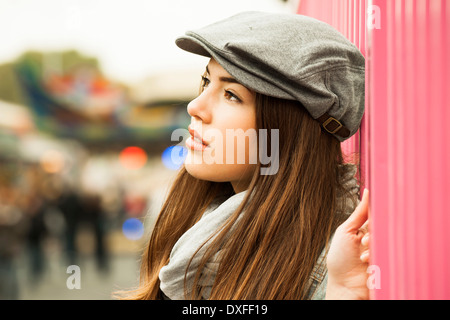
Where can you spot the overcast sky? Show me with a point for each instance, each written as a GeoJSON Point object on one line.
{"type": "Point", "coordinates": [131, 38]}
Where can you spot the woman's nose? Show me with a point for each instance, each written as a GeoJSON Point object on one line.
{"type": "Point", "coordinates": [199, 107]}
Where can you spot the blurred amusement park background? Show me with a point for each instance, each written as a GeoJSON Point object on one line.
{"type": "Point", "coordinates": [80, 156]}
{"type": "Point", "coordinates": [83, 166]}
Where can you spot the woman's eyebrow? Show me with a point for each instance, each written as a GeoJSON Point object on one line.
{"type": "Point", "coordinates": [224, 79]}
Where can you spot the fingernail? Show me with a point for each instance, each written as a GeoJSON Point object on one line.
{"type": "Point", "coordinates": [365, 240]}
{"type": "Point", "coordinates": [364, 257]}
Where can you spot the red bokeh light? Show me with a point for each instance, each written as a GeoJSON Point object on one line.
{"type": "Point", "coordinates": [133, 158]}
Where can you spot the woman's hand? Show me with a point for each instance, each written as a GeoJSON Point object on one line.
{"type": "Point", "coordinates": [348, 257]}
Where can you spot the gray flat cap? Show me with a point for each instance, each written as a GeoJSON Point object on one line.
{"type": "Point", "coordinates": [292, 57]}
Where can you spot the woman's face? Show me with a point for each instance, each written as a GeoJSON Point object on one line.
{"type": "Point", "coordinates": [222, 146]}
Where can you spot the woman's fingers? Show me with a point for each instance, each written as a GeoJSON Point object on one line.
{"type": "Point", "coordinates": [365, 256]}
{"type": "Point", "coordinates": [365, 248]}
{"type": "Point", "coordinates": [359, 218]}
{"type": "Point", "coordinates": [365, 240]}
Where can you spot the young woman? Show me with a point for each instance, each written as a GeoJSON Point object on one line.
{"type": "Point", "coordinates": [230, 230]}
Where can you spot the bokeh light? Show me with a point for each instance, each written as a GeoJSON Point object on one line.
{"type": "Point", "coordinates": [133, 229]}
{"type": "Point", "coordinates": [173, 157]}
{"type": "Point", "coordinates": [52, 161]}
{"type": "Point", "coordinates": [133, 158]}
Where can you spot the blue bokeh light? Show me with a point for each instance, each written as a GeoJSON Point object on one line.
{"type": "Point", "coordinates": [173, 157]}
{"type": "Point", "coordinates": [133, 229]}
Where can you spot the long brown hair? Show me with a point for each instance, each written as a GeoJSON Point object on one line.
{"type": "Point", "coordinates": [289, 217]}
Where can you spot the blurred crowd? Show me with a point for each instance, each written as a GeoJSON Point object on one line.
{"type": "Point", "coordinates": [40, 208]}
{"type": "Point", "coordinates": [41, 212]}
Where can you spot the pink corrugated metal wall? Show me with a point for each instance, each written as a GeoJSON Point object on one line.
{"type": "Point", "coordinates": [405, 138]}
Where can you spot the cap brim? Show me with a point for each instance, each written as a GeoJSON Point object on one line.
{"type": "Point", "coordinates": [197, 46]}
{"type": "Point", "coordinates": [192, 45]}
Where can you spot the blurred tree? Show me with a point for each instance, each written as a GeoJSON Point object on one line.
{"type": "Point", "coordinates": [10, 87]}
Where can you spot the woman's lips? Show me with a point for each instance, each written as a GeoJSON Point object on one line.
{"type": "Point", "coordinates": [195, 141]}
{"type": "Point", "coordinates": [194, 144]}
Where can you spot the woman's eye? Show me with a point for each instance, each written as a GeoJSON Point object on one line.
{"type": "Point", "coordinates": [205, 82]}
{"type": "Point", "coordinates": [231, 96]}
